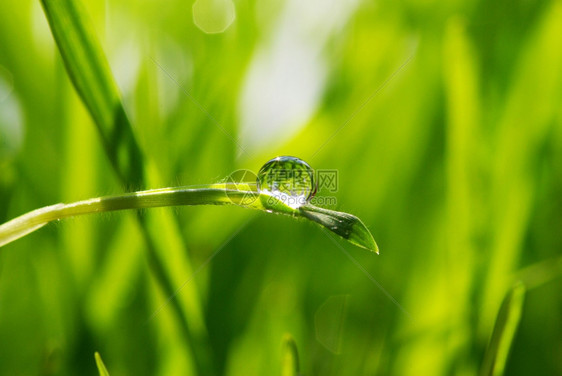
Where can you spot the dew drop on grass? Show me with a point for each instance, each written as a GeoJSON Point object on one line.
{"type": "Point", "coordinates": [288, 179]}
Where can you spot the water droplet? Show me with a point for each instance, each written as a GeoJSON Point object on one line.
{"type": "Point", "coordinates": [288, 179]}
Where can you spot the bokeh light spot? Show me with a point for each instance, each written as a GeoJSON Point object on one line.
{"type": "Point", "coordinates": [213, 16]}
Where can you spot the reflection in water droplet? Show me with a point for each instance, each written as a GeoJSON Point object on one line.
{"type": "Point", "coordinates": [288, 179]}
{"type": "Point", "coordinates": [213, 16]}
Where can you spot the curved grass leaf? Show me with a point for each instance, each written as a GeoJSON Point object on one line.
{"type": "Point", "coordinates": [89, 72]}
{"type": "Point", "coordinates": [506, 325]}
{"type": "Point", "coordinates": [345, 225]}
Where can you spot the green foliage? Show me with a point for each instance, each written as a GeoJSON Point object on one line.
{"type": "Point", "coordinates": [442, 121]}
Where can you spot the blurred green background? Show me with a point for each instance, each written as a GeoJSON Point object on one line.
{"type": "Point", "coordinates": [443, 120]}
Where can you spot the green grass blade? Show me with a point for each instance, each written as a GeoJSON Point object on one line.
{"type": "Point", "coordinates": [290, 361]}
{"type": "Point", "coordinates": [526, 124]}
{"type": "Point", "coordinates": [505, 328]}
{"type": "Point", "coordinates": [345, 225]}
{"type": "Point", "coordinates": [101, 367]}
{"type": "Point", "coordinates": [89, 71]}
{"type": "Point", "coordinates": [540, 273]}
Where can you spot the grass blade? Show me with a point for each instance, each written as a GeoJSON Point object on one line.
{"type": "Point", "coordinates": [345, 225]}
{"type": "Point", "coordinates": [290, 361]}
{"type": "Point", "coordinates": [506, 325]}
{"type": "Point", "coordinates": [89, 71]}
{"type": "Point", "coordinates": [101, 367]}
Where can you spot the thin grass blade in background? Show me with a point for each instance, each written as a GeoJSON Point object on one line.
{"type": "Point", "coordinates": [463, 130]}
{"type": "Point", "coordinates": [101, 367]}
{"type": "Point", "coordinates": [290, 361]}
{"type": "Point", "coordinates": [89, 71]}
{"type": "Point", "coordinates": [505, 328]}
{"type": "Point", "coordinates": [527, 121]}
